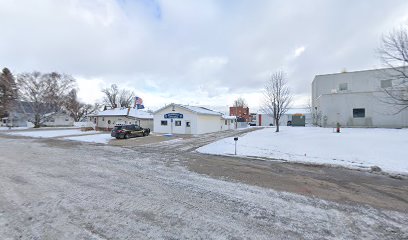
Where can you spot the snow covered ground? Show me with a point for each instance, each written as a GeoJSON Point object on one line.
{"type": "Point", "coordinates": [96, 138]}
{"type": "Point", "coordinates": [104, 192]}
{"type": "Point", "coordinates": [52, 133]}
{"type": "Point", "coordinates": [353, 147]}
{"type": "Point", "coordinates": [13, 128]}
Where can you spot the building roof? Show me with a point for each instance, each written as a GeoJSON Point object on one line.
{"type": "Point", "coordinates": [229, 117]}
{"type": "Point", "coordinates": [196, 109]}
{"type": "Point", "coordinates": [387, 69]}
{"type": "Point", "coordinates": [132, 112]}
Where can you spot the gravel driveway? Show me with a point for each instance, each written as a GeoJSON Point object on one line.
{"type": "Point", "coordinates": [53, 189]}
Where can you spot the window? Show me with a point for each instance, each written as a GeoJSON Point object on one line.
{"type": "Point", "coordinates": [358, 112]}
{"type": "Point", "coordinates": [103, 119]}
{"type": "Point", "coordinates": [386, 83]}
{"type": "Point", "coordinates": [226, 122]}
{"type": "Point", "coordinates": [232, 121]}
{"type": "Point", "coordinates": [343, 87]}
{"type": "Point", "coordinates": [109, 121]}
{"type": "Point", "coordinates": [178, 123]}
{"type": "Point", "coordinates": [164, 123]}
{"type": "Point", "coordinates": [188, 124]}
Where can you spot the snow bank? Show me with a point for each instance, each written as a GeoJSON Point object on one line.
{"type": "Point", "coordinates": [13, 128]}
{"type": "Point", "coordinates": [96, 138]}
{"type": "Point", "coordinates": [52, 133]}
{"type": "Point", "coordinates": [353, 147]}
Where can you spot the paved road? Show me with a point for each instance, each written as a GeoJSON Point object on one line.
{"type": "Point", "coordinates": [51, 189]}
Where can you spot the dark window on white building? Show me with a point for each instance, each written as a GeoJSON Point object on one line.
{"type": "Point", "coordinates": [358, 112]}
{"type": "Point", "coordinates": [188, 124]}
{"type": "Point", "coordinates": [386, 83]}
{"type": "Point", "coordinates": [164, 123]}
{"type": "Point", "coordinates": [178, 123]}
{"type": "Point", "coordinates": [226, 122]}
{"type": "Point", "coordinates": [343, 87]}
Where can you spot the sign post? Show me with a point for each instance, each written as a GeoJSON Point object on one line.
{"type": "Point", "coordinates": [236, 140]}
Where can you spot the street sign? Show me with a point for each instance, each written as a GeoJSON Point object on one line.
{"type": "Point", "coordinates": [173, 115]}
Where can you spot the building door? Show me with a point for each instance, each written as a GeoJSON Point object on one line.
{"type": "Point", "coordinates": [188, 127]}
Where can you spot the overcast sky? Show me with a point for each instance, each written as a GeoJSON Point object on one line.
{"type": "Point", "coordinates": [194, 52]}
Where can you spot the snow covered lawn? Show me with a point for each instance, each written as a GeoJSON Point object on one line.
{"type": "Point", "coordinates": [13, 128]}
{"type": "Point", "coordinates": [52, 133]}
{"type": "Point", "coordinates": [96, 138]}
{"type": "Point", "coordinates": [353, 147]}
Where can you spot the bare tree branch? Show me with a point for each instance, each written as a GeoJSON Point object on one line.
{"type": "Point", "coordinates": [277, 97]}
{"type": "Point", "coordinates": [44, 92]}
{"type": "Point", "coordinates": [394, 55]}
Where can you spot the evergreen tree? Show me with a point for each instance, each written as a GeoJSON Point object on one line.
{"type": "Point", "coordinates": [8, 92]}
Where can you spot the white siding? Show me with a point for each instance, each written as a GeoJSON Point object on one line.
{"type": "Point", "coordinates": [188, 116]}
{"type": "Point", "coordinates": [208, 124]}
{"type": "Point", "coordinates": [199, 123]}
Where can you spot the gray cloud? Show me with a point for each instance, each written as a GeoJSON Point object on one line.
{"type": "Point", "coordinates": [197, 52]}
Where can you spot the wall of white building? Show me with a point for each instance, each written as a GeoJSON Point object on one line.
{"type": "Point", "coordinates": [208, 124]}
{"type": "Point", "coordinates": [171, 127]}
{"type": "Point", "coordinates": [331, 103]}
{"type": "Point", "coordinates": [199, 123]}
{"type": "Point", "coordinates": [59, 120]}
{"type": "Point", "coordinates": [227, 124]}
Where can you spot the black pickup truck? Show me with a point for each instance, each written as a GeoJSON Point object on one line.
{"type": "Point", "coordinates": [128, 131]}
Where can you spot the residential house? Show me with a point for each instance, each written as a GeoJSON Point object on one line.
{"type": "Point", "coordinates": [106, 120]}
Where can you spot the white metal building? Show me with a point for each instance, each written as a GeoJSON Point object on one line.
{"type": "Point", "coordinates": [107, 119]}
{"type": "Point", "coordinates": [185, 119]}
{"type": "Point", "coordinates": [263, 119]}
{"type": "Point", "coordinates": [355, 99]}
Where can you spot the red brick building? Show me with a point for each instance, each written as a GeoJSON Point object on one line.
{"type": "Point", "coordinates": [240, 113]}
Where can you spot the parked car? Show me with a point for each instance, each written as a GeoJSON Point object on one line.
{"type": "Point", "coordinates": [128, 131]}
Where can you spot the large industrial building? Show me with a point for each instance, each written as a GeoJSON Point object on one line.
{"type": "Point", "coordinates": [357, 99]}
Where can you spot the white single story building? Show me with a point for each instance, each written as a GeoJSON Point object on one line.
{"type": "Point", "coordinates": [185, 119]}
{"type": "Point", "coordinates": [57, 119]}
{"type": "Point", "coordinates": [107, 119]}
{"type": "Point", "coordinates": [228, 122]}
{"type": "Point", "coordinates": [263, 119]}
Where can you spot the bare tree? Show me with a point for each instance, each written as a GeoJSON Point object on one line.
{"type": "Point", "coordinates": [115, 97]}
{"type": "Point", "coordinates": [394, 55]}
{"type": "Point", "coordinates": [44, 92]}
{"type": "Point", "coordinates": [76, 109]}
{"type": "Point", "coordinates": [8, 92]}
{"type": "Point", "coordinates": [57, 88]}
{"type": "Point", "coordinates": [240, 102]}
{"type": "Point", "coordinates": [111, 96]}
{"type": "Point", "coordinates": [277, 97]}
{"type": "Point", "coordinates": [125, 98]}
